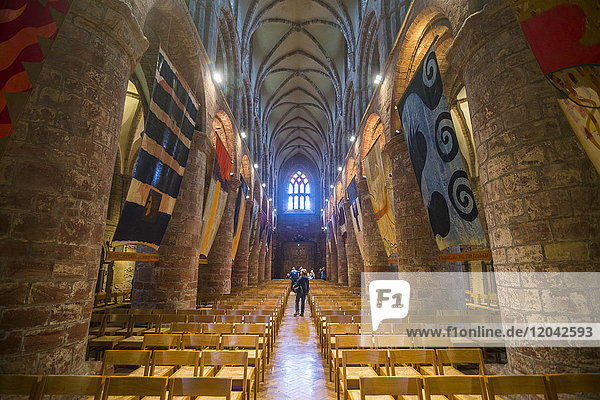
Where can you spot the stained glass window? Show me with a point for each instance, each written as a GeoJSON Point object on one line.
{"type": "Point", "coordinates": [298, 192]}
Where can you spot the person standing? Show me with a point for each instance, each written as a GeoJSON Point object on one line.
{"type": "Point", "coordinates": [293, 275]}
{"type": "Point", "coordinates": [323, 275]}
{"type": "Point", "coordinates": [302, 288]}
{"type": "Point", "coordinates": [311, 275]}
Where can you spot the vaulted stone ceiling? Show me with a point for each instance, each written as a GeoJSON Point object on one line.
{"type": "Point", "coordinates": [298, 52]}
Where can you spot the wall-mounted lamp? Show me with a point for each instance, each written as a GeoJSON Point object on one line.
{"type": "Point", "coordinates": [255, 165]}
{"type": "Point", "coordinates": [217, 77]}
{"type": "Point", "coordinates": [264, 185]}
{"type": "Point", "coordinates": [340, 169]}
{"type": "Point", "coordinates": [352, 138]}
{"type": "Point", "coordinates": [378, 79]}
{"type": "Point", "coordinates": [243, 135]}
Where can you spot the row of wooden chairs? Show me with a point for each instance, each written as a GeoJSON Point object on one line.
{"type": "Point", "coordinates": [550, 387]}
{"type": "Point", "coordinates": [37, 387]}
{"type": "Point", "coordinates": [112, 299]}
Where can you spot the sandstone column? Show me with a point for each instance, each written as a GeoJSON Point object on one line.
{"type": "Point", "coordinates": [261, 256]}
{"type": "Point", "coordinates": [215, 276]}
{"type": "Point", "coordinates": [342, 261]}
{"type": "Point", "coordinates": [332, 273]}
{"type": "Point", "coordinates": [253, 260]}
{"type": "Point", "coordinates": [269, 261]}
{"type": "Point", "coordinates": [239, 274]}
{"type": "Point", "coordinates": [355, 261]}
{"type": "Point", "coordinates": [172, 282]}
{"type": "Point", "coordinates": [416, 244]}
{"type": "Point", "coordinates": [55, 178]}
{"type": "Point", "coordinates": [539, 190]}
{"type": "Point", "coordinates": [375, 257]}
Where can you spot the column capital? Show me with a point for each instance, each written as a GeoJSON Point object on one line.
{"type": "Point", "coordinates": [115, 19]}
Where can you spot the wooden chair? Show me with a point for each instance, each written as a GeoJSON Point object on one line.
{"type": "Point", "coordinates": [251, 344]}
{"type": "Point", "coordinates": [346, 342]}
{"type": "Point", "coordinates": [407, 362]}
{"type": "Point", "coordinates": [214, 311]}
{"type": "Point", "coordinates": [334, 330]}
{"type": "Point", "coordinates": [23, 385]}
{"type": "Point", "coordinates": [221, 329]}
{"type": "Point", "coordinates": [138, 358]}
{"type": "Point", "coordinates": [453, 357]}
{"type": "Point", "coordinates": [185, 327]}
{"type": "Point", "coordinates": [455, 386]}
{"type": "Point", "coordinates": [240, 311]}
{"type": "Point", "coordinates": [117, 323]}
{"type": "Point", "coordinates": [392, 342]}
{"type": "Point", "coordinates": [357, 364]}
{"type": "Point", "coordinates": [204, 319]}
{"type": "Point", "coordinates": [201, 341]}
{"type": "Point", "coordinates": [263, 338]}
{"type": "Point", "coordinates": [163, 341]}
{"type": "Point", "coordinates": [201, 387]}
{"type": "Point", "coordinates": [181, 363]}
{"type": "Point", "coordinates": [233, 365]}
{"type": "Point", "coordinates": [137, 386]}
{"type": "Point", "coordinates": [75, 385]}
{"type": "Point", "coordinates": [388, 386]}
{"type": "Point", "coordinates": [97, 320]}
{"type": "Point", "coordinates": [573, 383]}
{"type": "Point", "coordinates": [500, 385]}
{"type": "Point", "coordinates": [167, 319]}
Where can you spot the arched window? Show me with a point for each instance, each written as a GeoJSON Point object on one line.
{"type": "Point", "coordinates": [299, 192]}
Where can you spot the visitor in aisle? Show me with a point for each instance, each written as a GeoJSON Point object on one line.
{"type": "Point", "coordinates": [301, 290]}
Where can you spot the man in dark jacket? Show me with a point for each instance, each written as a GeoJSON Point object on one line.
{"type": "Point", "coordinates": [301, 293]}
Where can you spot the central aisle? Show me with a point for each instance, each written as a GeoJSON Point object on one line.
{"type": "Point", "coordinates": [297, 370]}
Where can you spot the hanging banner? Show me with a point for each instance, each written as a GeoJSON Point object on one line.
{"type": "Point", "coordinates": [28, 29]}
{"type": "Point", "coordinates": [238, 217]}
{"type": "Point", "coordinates": [342, 221]}
{"type": "Point", "coordinates": [329, 235]}
{"type": "Point", "coordinates": [214, 206]}
{"type": "Point", "coordinates": [436, 159]}
{"type": "Point", "coordinates": [381, 198]}
{"type": "Point", "coordinates": [565, 38]}
{"type": "Point", "coordinates": [356, 211]}
{"type": "Point", "coordinates": [263, 224]}
{"type": "Point", "coordinates": [253, 224]}
{"type": "Point", "coordinates": [161, 160]}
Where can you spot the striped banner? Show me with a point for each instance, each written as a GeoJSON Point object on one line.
{"type": "Point", "coordinates": [356, 211]}
{"type": "Point", "coordinates": [27, 31]}
{"type": "Point", "coordinates": [161, 161]}
{"type": "Point", "coordinates": [381, 198]}
{"type": "Point", "coordinates": [342, 221]}
{"type": "Point", "coordinates": [216, 198]}
{"type": "Point", "coordinates": [238, 217]}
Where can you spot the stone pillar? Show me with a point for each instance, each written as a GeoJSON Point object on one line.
{"type": "Point", "coordinates": [355, 261]}
{"type": "Point", "coordinates": [172, 282]}
{"type": "Point", "coordinates": [55, 179]}
{"type": "Point", "coordinates": [239, 274]}
{"type": "Point", "coordinates": [540, 191]}
{"type": "Point", "coordinates": [417, 248]}
{"type": "Point", "coordinates": [215, 276]}
{"type": "Point", "coordinates": [342, 261]}
{"type": "Point", "coordinates": [375, 258]}
{"type": "Point", "coordinates": [261, 256]}
{"type": "Point", "coordinates": [269, 261]}
{"type": "Point", "coordinates": [253, 261]}
{"type": "Point", "coordinates": [332, 273]}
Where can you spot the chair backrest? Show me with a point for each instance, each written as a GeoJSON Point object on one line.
{"type": "Point", "coordinates": [178, 358]}
{"type": "Point", "coordinates": [454, 385]}
{"type": "Point", "coordinates": [217, 328]}
{"type": "Point", "coordinates": [205, 319]}
{"type": "Point", "coordinates": [135, 386]}
{"type": "Point", "coordinates": [257, 319]}
{"type": "Point", "coordinates": [500, 385]}
{"type": "Point", "coordinates": [25, 385]}
{"type": "Point", "coordinates": [573, 383]}
{"type": "Point", "coordinates": [226, 358]}
{"type": "Point", "coordinates": [76, 385]}
{"type": "Point", "coordinates": [148, 320]}
{"type": "Point", "coordinates": [353, 342]}
{"type": "Point", "coordinates": [230, 319]}
{"type": "Point", "coordinates": [338, 319]}
{"type": "Point", "coordinates": [460, 356]}
{"type": "Point", "coordinates": [200, 386]}
{"type": "Point", "coordinates": [214, 311]}
{"type": "Point", "coordinates": [118, 319]}
{"type": "Point", "coordinates": [392, 341]}
{"type": "Point", "coordinates": [240, 311]}
{"type": "Point", "coordinates": [161, 341]}
{"type": "Point", "coordinates": [390, 385]}
{"type": "Point", "coordinates": [170, 318]}
{"type": "Point", "coordinates": [239, 342]}
{"type": "Point", "coordinates": [201, 341]}
{"type": "Point", "coordinates": [186, 327]}
{"type": "Point", "coordinates": [412, 356]}
{"type": "Point", "coordinates": [257, 329]}
{"type": "Point", "coordinates": [126, 357]}
{"type": "Point", "coordinates": [342, 329]}
{"type": "Point", "coordinates": [365, 357]}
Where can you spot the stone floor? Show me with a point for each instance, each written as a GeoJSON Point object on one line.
{"type": "Point", "coordinates": [297, 370]}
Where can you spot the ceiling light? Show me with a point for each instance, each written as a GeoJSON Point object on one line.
{"type": "Point", "coordinates": [397, 131]}
{"type": "Point", "coordinates": [352, 138]}
{"type": "Point", "coordinates": [243, 135]}
{"type": "Point", "coordinates": [321, 210]}
{"type": "Point", "coordinates": [255, 165]}
{"type": "Point", "coordinates": [274, 210]}
{"type": "Point", "coordinates": [217, 77]}
{"type": "Point", "coordinates": [378, 79]}
{"type": "Point", "coordinates": [270, 199]}
{"type": "Point", "coordinates": [331, 186]}
{"type": "Point", "coordinates": [264, 185]}
{"type": "Point", "coordinates": [247, 197]}
{"type": "Point", "coordinates": [340, 169]}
